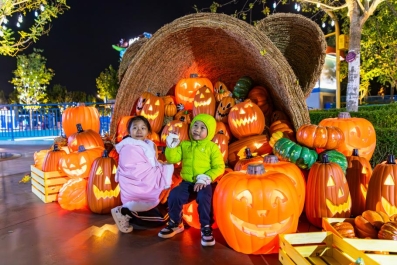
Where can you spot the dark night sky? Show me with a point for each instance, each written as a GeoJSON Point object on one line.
{"type": "Point", "coordinates": [78, 47]}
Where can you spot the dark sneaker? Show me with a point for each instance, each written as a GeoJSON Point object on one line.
{"type": "Point", "coordinates": [171, 230]}
{"type": "Point", "coordinates": [207, 239]}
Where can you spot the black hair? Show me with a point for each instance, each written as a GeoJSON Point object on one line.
{"type": "Point", "coordinates": [138, 118]}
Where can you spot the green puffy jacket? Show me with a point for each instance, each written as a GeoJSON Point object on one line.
{"type": "Point", "coordinates": [198, 157]}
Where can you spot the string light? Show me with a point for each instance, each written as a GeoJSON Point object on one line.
{"type": "Point", "coordinates": [323, 25]}
{"type": "Point", "coordinates": [42, 7]}
{"type": "Point", "coordinates": [298, 8]}
{"type": "Point", "coordinates": [5, 20]}
{"type": "Point", "coordinates": [274, 5]}
{"type": "Point", "coordinates": [36, 13]}
{"type": "Point", "coordinates": [318, 5]}
{"type": "Point", "coordinates": [332, 23]}
{"type": "Point", "coordinates": [18, 25]}
{"type": "Point", "coordinates": [20, 18]}
{"type": "Point", "coordinates": [1, 33]}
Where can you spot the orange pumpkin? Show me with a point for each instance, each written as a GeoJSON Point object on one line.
{"type": "Point", "coordinates": [142, 100]}
{"type": "Point", "coordinates": [73, 194]}
{"type": "Point", "coordinates": [204, 102]}
{"type": "Point", "coordinates": [249, 158]}
{"type": "Point", "coordinates": [178, 127]}
{"type": "Point", "coordinates": [285, 127]}
{"type": "Point", "coordinates": [38, 158]}
{"type": "Point", "coordinates": [168, 99]}
{"type": "Point", "coordinates": [155, 137]}
{"type": "Point", "coordinates": [78, 164]}
{"type": "Point", "coordinates": [88, 117]}
{"type": "Point", "coordinates": [191, 217]}
{"type": "Point", "coordinates": [88, 138]}
{"type": "Point", "coordinates": [253, 209]}
{"type": "Point", "coordinates": [186, 88]}
{"type": "Point", "coordinates": [224, 127]}
{"type": "Point", "coordinates": [317, 136]}
{"type": "Point", "coordinates": [221, 91]}
{"type": "Point", "coordinates": [170, 109]}
{"type": "Point", "coordinates": [246, 119]}
{"type": "Point", "coordinates": [359, 134]}
{"type": "Point", "coordinates": [186, 114]}
{"type": "Point", "coordinates": [222, 141]}
{"type": "Point", "coordinates": [103, 192]}
{"type": "Point", "coordinates": [224, 107]}
{"type": "Point", "coordinates": [51, 161]}
{"type": "Point", "coordinates": [122, 129]}
{"type": "Point", "coordinates": [114, 154]}
{"type": "Point", "coordinates": [153, 111]}
{"type": "Point", "coordinates": [260, 96]}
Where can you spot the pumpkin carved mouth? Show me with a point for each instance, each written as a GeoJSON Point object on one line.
{"type": "Point", "coordinates": [186, 99]}
{"type": "Point", "coordinates": [202, 103]}
{"type": "Point", "coordinates": [150, 116]}
{"type": "Point", "coordinates": [341, 208]}
{"type": "Point", "coordinates": [222, 114]}
{"type": "Point", "coordinates": [100, 194]}
{"type": "Point", "coordinates": [244, 121]}
{"type": "Point", "coordinates": [389, 209]}
{"type": "Point", "coordinates": [261, 230]}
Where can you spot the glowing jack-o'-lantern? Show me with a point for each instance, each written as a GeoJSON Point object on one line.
{"type": "Point", "coordinates": [186, 88]}
{"type": "Point", "coordinates": [180, 128]}
{"type": "Point", "coordinates": [224, 107]}
{"type": "Point", "coordinates": [222, 141]}
{"type": "Point", "coordinates": [382, 188]}
{"type": "Point", "coordinates": [88, 138]}
{"type": "Point", "coordinates": [103, 192]}
{"type": "Point", "coordinates": [191, 217]}
{"type": "Point", "coordinates": [142, 100]}
{"type": "Point", "coordinates": [359, 134]}
{"type": "Point", "coordinates": [204, 102]}
{"type": "Point", "coordinates": [73, 194]}
{"type": "Point", "coordinates": [252, 209]}
{"type": "Point", "coordinates": [78, 164]}
{"type": "Point", "coordinates": [260, 96]}
{"type": "Point", "coordinates": [153, 111]}
{"type": "Point", "coordinates": [246, 119]}
{"type": "Point", "coordinates": [328, 193]}
{"type": "Point", "coordinates": [358, 174]}
{"type": "Point", "coordinates": [122, 129]}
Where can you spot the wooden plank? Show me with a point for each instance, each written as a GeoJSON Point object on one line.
{"type": "Point", "coordinates": [312, 250]}
{"type": "Point", "coordinates": [45, 175]}
{"type": "Point", "coordinates": [383, 259]}
{"type": "Point", "coordinates": [38, 179]}
{"type": "Point", "coordinates": [46, 190]}
{"type": "Point", "coordinates": [38, 186]}
{"type": "Point", "coordinates": [331, 260]}
{"type": "Point", "coordinates": [45, 198]}
{"type": "Point", "coordinates": [284, 259]}
{"type": "Point", "coordinates": [319, 261]}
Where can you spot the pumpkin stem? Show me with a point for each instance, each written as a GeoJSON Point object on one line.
{"type": "Point", "coordinates": [324, 159]}
{"type": "Point", "coordinates": [344, 115]}
{"type": "Point", "coordinates": [390, 159]}
{"type": "Point", "coordinates": [79, 128]}
{"type": "Point", "coordinates": [221, 132]}
{"type": "Point", "coordinates": [182, 119]}
{"type": "Point", "coordinates": [355, 152]}
{"type": "Point", "coordinates": [56, 147]}
{"type": "Point", "coordinates": [255, 169]}
{"type": "Point", "coordinates": [81, 148]}
{"type": "Point", "coordinates": [270, 159]}
{"type": "Point", "coordinates": [194, 75]}
{"type": "Point", "coordinates": [248, 153]}
{"type": "Point", "coordinates": [105, 153]}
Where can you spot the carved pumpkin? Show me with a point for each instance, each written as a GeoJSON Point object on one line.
{"type": "Point", "coordinates": [122, 129]}
{"type": "Point", "coordinates": [249, 158]}
{"type": "Point", "coordinates": [224, 107]}
{"type": "Point", "coordinates": [78, 164]}
{"type": "Point", "coordinates": [88, 138]}
{"type": "Point", "coordinates": [88, 117]}
{"type": "Point", "coordinates": [103, 192]}
{"type": "Point", "coordinates": [359, 134]}
{"type": "Point", "coordinates": [177, 127]}
{"type": "Point", "coordinates": [221, 91]}
{"type": "Point", "coordinates": [224, 127]}
{"type": "Point", "coordinates": [246, 119]}
{"type": "Point", "coordinates": [328, 193]}
{"type": "Point", "coordinates": [142, 100]}
{"type": "Point", "coordinates": [176, 179]}
{"type": "Point", "coordinates": [191, 217]}
{"type": "Point", "coordinates": [204, 102]}
{"type": "Point", "coordinates": [242, 87]}
{"type": "Point", "coordinates": [51, 160]}
{"type": "Point", "coordinates": [260, 96]}
{"type": "Point", "coordinates": [252, 209]}
{"type": "Point", "coordinates": [186, 114]}
{"type": "Point", "coordinates": [153, 111]}
{"type": "Point", "coordinates": [73, 194]}
{"type": "Point", "coordinates": [186, 88]}
{"type": "Point", "coordinates": [382, 189]}
{"type": "Point", "coordinates": [222, 141]}
{"type": "Point", "coordinates": [316, 136]}
{"type": "Point", "coordinates": [358, 174]}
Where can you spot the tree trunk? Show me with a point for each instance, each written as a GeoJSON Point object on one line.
{"type": "Point", "coordinates": [353, 85]}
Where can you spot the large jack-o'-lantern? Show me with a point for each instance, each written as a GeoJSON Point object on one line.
{"type": "Point", "coordinates": [103, 192]}
{"type": "Point", "coordinates": [252, 209]}
{"type": "Point", "coordinates": [382, 188]}
{"type": "Point", "coordinates": [222, 141]}
{"type": "Point", "coordinates": [142, 100]}
{"type": "Point", "coordinates": [327, 192]}
{"type": "Point", "coordinates": [186, 88]}
{"type": "Point", "coordinates": [178, 127]}
{"type": "Point", "coordinates": [153, 111]}
{"type": "Point", "coordinates": [78, 164]}
{"type": "Point", "coordinates": [204, 102]}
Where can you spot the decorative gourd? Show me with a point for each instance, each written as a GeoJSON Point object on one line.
{"type": "Point", "coordinates": [242, 87]}
{"type": "Point", "coordinates": [285, 127]}
{"type": "Point", "coordinates": [103, 192]}
{"type": "Point", "coordinates": [88, 138]}
{"type": "Point", "coordinates": [222, 141]}
{"type": "Point", "coordinates": [260, 96]}
{"type": "Point", "coordinates": [369, 223]}
{"type": "Point", "coordinates": [224, 107]}
{"type": "Point", "coordinates": [249, 223]}
{"type": "Point", "coordinates": [345, 229]}
{"type": "Point", "coordinates": [388, 231]}
{"type": "Point", "coordinates": [358, 174]}
{"type": "Point", "coordinates": [170, 109]}
{"type": "Point", "coordinates": [51, 160]}
{"type": "Point", "coordinates": [336, 157]}
{"type": "Point", "coordinates": [221, 91]}
{"type": "Point", "coordinates": [316, 136]}
{"type": "Point", "coordinates": [73, 194]}
{"type": "Point", "coordinates": [78, 164]}
{"type": "Point", "coordinates": [327, 193]}
{"type": "Point", "coordinates": [249, 158]}
{"type": "Point", "coordinates": [88, 117]}
{"type": "Point", "coordinates": [246, 119]}
{"type": "Point", "coordinates": [187, 114]}
{"type": "Point", "coordinates": [287, 150]}
{"type": "Point", "coordinates": [153, 111]}
{"type": "Point", "coordinates": [275, 137]}
{"type": "Point", "coordinates": [359, 134]}
{"type": "Point", "coordinates": [142, 100]}
{"type": "Point", "coordinates": [177, 127]}
{"type": "Point", "coordinates": [382, 188]}
{"type": "Point", "coordinates": [186, 88]}
{"type": "Point", "coordinates": [204, 102]}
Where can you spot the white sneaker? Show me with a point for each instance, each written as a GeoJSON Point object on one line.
{"type": "Point", "coordinates": [122, 221]}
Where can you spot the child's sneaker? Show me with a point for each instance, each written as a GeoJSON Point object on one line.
{"type": "Point", "coordinates": [122, 221]}
{"type": "Point", "coordinates": [171, 230]}
{"type": "Point", "coordinates": [207, 239]}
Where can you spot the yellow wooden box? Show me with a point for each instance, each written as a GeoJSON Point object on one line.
{"type": "Point", "coordinates": [46, 185]}
{"type": "Point", "coordinates": [318, 248]}
{"type": "Point", "coordinates": [368, 245]}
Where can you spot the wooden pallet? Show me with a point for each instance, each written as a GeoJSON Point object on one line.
{"type": "Point", "coordinates": [318, 248]}
{"type": "Point", "coordinates": [367, 245]}
{"type": "Point", "coordinates": [46, 185]}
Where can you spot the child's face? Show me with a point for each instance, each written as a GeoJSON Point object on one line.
{"type": "Point", "coordinates": [139, 130]}
{"type": "Point", "coordinates": [198, 130]}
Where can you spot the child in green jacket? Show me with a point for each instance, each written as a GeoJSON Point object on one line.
{"type": "Point", "coordinates": [202, 163]}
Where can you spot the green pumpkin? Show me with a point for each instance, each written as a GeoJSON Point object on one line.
{"type": "Point", "coordinates": [242, 87]}
{"type": "Point", "coordinates": [287, 150]}
{"type": "Point", "coordinates": [336, 157]}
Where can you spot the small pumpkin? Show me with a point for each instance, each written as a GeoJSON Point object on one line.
{"type": "Point", "coordinates": [345, 229]}
{"type": "Point", "coordinates": [249, 158]}
{"type": "Point", "coordinates": [285, 127]}
{"type": "Point", "coordinates": [170, 109]}
{"type": "Point", "coordinates": [242, 87]}
{"type": "Point", "coordinates": [369, 223]}
{"type": "Point", "coordinates": [88, 138]}
{"type": "Point", "coordinates": [260, 96]}
{"type": "Point", "coordinates": [317, 136]}
{"type": "Point", "coordinates": [388, 231]}
{"type": "Point", "coordinates": [221, 91]}
{"type": "Point", "coordinates": [224, 107]}
{"type": "Point", "coordinates": [187, 114]}
{"type": "Point", "coordinates": [51, 161]}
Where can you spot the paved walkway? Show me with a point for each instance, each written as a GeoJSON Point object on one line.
{"type": "Point", "coordinates": [32, 232]}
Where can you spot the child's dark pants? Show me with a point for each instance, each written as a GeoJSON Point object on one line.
{"type": "Point", "coordinates": [180, 196]}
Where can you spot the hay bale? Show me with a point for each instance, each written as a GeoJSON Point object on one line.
{"type": "Point", "coordinates": [215, 46]}
{"type": "Point", "coordinates": [129, 56]}
{"type": "Point", "coordinates": [301, 41]}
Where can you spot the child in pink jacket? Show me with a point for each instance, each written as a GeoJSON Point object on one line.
{"type": "Point", "coordinates": [141, 176]}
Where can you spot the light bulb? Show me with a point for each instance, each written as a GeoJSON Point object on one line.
{"type": "Point", "coordinates": [1, 33]}
{"type": "Point", "coordinates": [323, 25]}
{"type": "Point", "coordinates": [20, 18]}
{"type": "Point", "coordinates": [274, 5]}
{"type": "Point", "coordinates": [18, 25]}
{"type": "Point", "coordinates": [5, 20]}
{"type": "Point", "coordinates": [36, 13]}
{"type": "Point", "coordinates": [332, 23]}
{"type": "Point", "coordinates": [296, 6]}
{"type": "Point", "coordinates": [318, 5]}
{"type": "Point", "coordinates": [299, 8]}
{"type": "Point", "coordinates": [42, 7]}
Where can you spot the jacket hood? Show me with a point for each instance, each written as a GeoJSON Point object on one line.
{"type": "Point", "coordinates": [209, 122]}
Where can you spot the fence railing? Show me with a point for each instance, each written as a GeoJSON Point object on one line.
{"type": "Point", "coordinates": [27, 121]}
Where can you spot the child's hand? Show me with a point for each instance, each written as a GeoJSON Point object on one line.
{"type": "Point", "coordinates": [198, 186]}
{"type": "Point", "coordinates": [172, 140]}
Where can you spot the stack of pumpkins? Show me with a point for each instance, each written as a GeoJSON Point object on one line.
{"type": "Point", "coordinates": [82, 157]}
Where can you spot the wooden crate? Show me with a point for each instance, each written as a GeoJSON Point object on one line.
{"type": "Point", "coordinates": [46, 185]}
{"type": "Point", "coordinates": [367, 245]}
{"type": "Point", "coordinates": [318, 248]}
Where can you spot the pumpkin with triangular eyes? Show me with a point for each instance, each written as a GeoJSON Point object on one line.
{"type": "Point", "coordinates": [78, 164]}
{"type": "Point", "coordinates": [224, 107]}
{"type": "Point", "coordinates": [186, 88]}
{"type": "Point", "coordinates": [142, 100]}
{"type": "Point", "coordinates": [204, 102]}
{"type": "Point", "coordinates": [153, 111]}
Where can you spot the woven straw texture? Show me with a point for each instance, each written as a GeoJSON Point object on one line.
{"type": "Point", "coordinates": [215, 46]}
{"type": "Point", "coordinates": [301, 41]}
{"type": "Point", "coordinates": [128, 56]}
